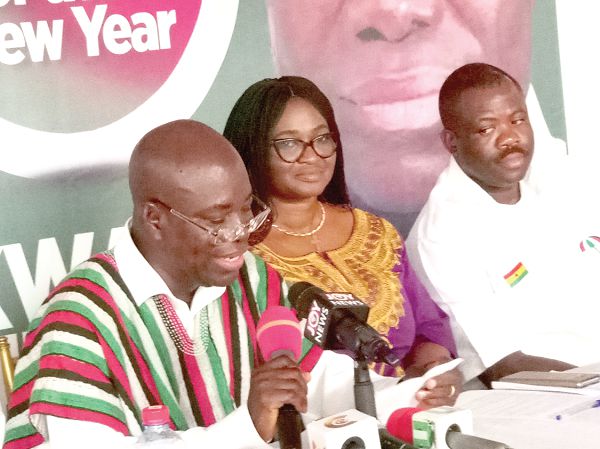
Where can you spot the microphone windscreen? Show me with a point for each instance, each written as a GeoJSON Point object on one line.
{"type": "Point", "coordinates": [278, 330]}
{"type": "Point", "coordinates": [301, 295]}
{"type": "Point", "coordinates": [400, 424]}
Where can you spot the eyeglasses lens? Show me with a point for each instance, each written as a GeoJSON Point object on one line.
{"type": "Point", "coordinates": [290, 150]}
{"type": "Point", "coordinates": [259, 214]}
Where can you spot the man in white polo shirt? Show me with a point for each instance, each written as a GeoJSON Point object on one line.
{"type": "Point", "coordinates": [507, 242]}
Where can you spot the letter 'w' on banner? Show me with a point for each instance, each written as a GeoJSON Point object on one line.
{"type": "Point", "coordinates": [514, 276]}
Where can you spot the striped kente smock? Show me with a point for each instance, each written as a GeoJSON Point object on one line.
{"type": "Point", "coordinates": [92, 354]}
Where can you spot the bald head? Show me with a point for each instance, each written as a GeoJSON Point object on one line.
{"type": "Point", "coordinates": [165, 159]}
{"type": "Point", "coordinates": [186, 180]}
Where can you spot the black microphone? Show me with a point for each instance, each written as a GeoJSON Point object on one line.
{"type": "Point", "coordinates": [338, 321]}
{"type": "Point", "coordinates": [457, 440]}
{"type": "Point", "coordinates": [278, 332]}
{"type": "Point", "coordinates": [389, 441]}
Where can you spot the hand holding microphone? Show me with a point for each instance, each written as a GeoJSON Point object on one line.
{"type": "Point", "coordinates": [278, 388]}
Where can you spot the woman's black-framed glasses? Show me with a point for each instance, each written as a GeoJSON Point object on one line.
{"type": "Point", "coordinates": [291, 150]}
{"type": "Point", "coordinates": [226, 234]}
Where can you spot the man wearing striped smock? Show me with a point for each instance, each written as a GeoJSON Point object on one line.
{"type": "Point", "coordinates": [168, 316]}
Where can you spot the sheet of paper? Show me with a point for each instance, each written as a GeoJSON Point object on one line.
{"type": "Point", "coordinates": [404, 391]}
{"type": "Point", "coordinates": [411, 386]}
{"type": "Point", "coordinates": [530, 405]}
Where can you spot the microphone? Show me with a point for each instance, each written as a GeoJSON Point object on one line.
{"type": "Point", "coordinates": [439, 428]}
{"type": "Point", "coordinates": [338, 321]}
{"type": "Point", "coordinates": [278, 332]}
{"type": "Point", "coordinates": [388, 441]}
{"type": "Point", "coordinates": [400, 424]}
{"type": "Point", "coordinates": [350, 429]}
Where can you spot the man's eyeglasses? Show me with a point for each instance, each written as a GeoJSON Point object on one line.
{"type": "Point", "coordinates": [291, 150]}
{"type": "Point", "coordinates": [222, 234]}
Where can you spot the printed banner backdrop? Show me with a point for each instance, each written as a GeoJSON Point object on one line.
{"type": "Point", "coordinates": [82, 81]}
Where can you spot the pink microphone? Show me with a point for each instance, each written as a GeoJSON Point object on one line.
{"type": "Point", "coordinates": [278, 332]}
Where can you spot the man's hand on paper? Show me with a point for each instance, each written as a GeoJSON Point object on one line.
{"type": "Point", "coordinates": [434, 388]}
{"type": "Point", "coordinates": [440, 390]}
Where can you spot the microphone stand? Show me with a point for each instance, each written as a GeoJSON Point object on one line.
{"type": "Point", "coordinates": [364, 395]}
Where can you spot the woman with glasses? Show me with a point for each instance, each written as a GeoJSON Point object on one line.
{"type": "Point", "coordinates": [286, 133]}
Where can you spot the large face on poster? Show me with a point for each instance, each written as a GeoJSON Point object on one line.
{"type": "Point", "coordinates": [83, 80]}
{"type": "Point", "coordinates": [382, 63]}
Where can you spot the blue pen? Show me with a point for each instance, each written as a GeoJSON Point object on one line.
{"type": "Point", "coordinates": [577, 408]}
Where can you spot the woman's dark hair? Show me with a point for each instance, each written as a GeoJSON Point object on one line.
{"type": "Point", "coordinates": [254, 116]}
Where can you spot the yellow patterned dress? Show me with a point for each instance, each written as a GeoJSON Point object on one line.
{"type": "Point", "coordinates": [374, 267]}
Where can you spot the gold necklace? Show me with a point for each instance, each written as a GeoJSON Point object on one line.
{"type": "Point", "coordinates": [305, 234]}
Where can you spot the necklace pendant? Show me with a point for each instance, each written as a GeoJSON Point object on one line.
{"type": "Point", "coordinates": [305, 234]}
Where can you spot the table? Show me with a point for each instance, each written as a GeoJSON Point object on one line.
{"type": "Point", "coordinates": [526, 419]}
